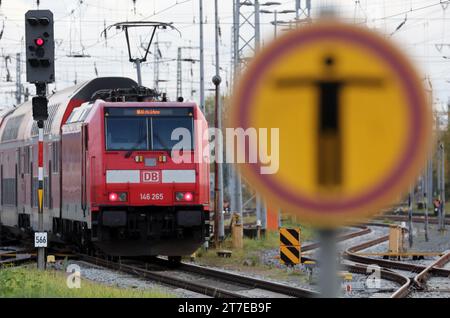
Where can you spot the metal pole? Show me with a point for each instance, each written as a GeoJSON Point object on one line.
{"type": "Point", "coordinates": [41, 250]}
{"type": "Point", "coordinates": [439, 182]}
{"type": "Point", "coordinates": [202, 66]}
{"type": "Point", "coordinates": [138, 70]}
{"type": "Point", "coordinates": [18, 80]}
{"type": "Point", "coordinates": [430, 181]}
{"type": "Point", "coordinates": [410, 213]}
{"type": "Point", "coordinates": [258, 209]}
{"type": "Point", "coordinates": [236, 24]}
{"type": "Point", "coordinates": [427, 203]}
{"type": "Point", "coordinates": [257, 27]}
{"type": "Point", "coordinates": [328, 279]}
{"type": "Point", "coordinates": [239, 196]}
{"type": "Point", "coordinates": [156, 65]}
{"type": "Point", "coordinates": [438, 186]}
{"type": "Point", "coordinates": [280, 221]}
{"type": "Point", "coordinates": [218, 141]}
{"type": "Point", "coordinates": [275, 23]}
{"type": "Point", "coordinates": [261, 210]}
{"type": "Point", "coordinates": [442, 206]}
{"type": "Point", "coordinates": [263, 214]}
{"type": "Point", "coordinates": [232, 187]}
{"type": "Point", "coordinates": [179, 75]}
{"type": "Point", "coordinates": [237, 177]}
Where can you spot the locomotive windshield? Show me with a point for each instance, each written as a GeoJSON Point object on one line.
{"type": "Point", "coordinates": [147, 129]}
{"type": "Point", "coordinates": [126, 133]}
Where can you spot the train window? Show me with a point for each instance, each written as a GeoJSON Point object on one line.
{"type": "Point", "coordinates": [162, 128]}
{"type": "Point", "coordinates": [79, 114]}
{"type": "Point", "coordinates": [12, 128]}
{"type": "Point", "coordinates": [85, 113]}
{"type": "Point", "coordinates": [126, 133]}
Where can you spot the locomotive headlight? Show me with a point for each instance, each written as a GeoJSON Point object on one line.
{"type": "Point", "coordinates": [123, 196]}
{"type": "Point", "coordinates": [118, 196]}
{"type": "Point", "coordinates": [184, 196]}
{"type": "Point", "coordinates": [113, 196]}
{"type": "Point", "coordinates": [188, 196]}
{"type": "Point", "coordinates": [179, 196]}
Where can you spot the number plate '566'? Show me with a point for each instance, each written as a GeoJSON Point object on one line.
{"type": "Point", "coordinates": [40, 239]}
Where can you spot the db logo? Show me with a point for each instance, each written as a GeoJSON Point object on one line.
{"type": "Point", "coordinates": [151, 176]}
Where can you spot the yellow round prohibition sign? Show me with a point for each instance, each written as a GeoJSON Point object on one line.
{"type": "Point", "coordinates": [352, 117]}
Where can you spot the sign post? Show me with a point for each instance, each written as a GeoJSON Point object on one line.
{"type": "Point", "coordinates": [353, 122]}
{"type": "Point", "coordinates": [40, 52]}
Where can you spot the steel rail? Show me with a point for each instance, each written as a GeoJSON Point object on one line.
{"type": "Point", "coordinates": [358, 268]}
{"type": "Point", "coordinates": [245, 280]}
{"type": "Point", "coordinates": [415, 218]}
{"type": "Point", "coordinates": [400, 279]}
{"type": "Point", "coordinates": [421, 278]}
{"type": "Point", "coordinates": [406, 288]}
{"type": "Point", "coordinates": [162, 278]}
{"type": "Point", "coordinates": [18, 259]}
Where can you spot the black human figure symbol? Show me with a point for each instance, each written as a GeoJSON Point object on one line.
{"type": "Point", "coordinates": [329, 143]}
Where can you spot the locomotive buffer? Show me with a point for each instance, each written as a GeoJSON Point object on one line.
{"type": "Point", "coordinates": [40, 47]}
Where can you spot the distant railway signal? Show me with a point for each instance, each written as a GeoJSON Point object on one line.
{"type": "Point", "coordinates": [40, 46]}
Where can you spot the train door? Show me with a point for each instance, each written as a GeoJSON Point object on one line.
{"type": "Point", "coordinates": [22, 179]}
{"type": "Point", "coordinates": [84, 158]}
{"type": "Point", "coordinates": [18, 181]}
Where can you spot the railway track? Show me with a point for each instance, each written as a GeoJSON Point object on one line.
{"type": "Point", "coordinates": [230, 285]}
{"type": "Point", "coordinates": [364, 267]}
{"type": "Point", "coordinates": [14, 257]}
{"type": "Point", "coordinates": [217, 283]}
{"type": "Point", "coordinates": [418, 218]}
{"type": "Point", "coordinates": [422, 281]}
{"type": "Point", "coordinates": [408, 285]}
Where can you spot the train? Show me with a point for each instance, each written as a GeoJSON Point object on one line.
{"type": "Point", "coordinates": [111, 182]}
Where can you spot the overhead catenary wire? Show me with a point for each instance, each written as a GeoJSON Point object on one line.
{"type": "Point", "coordinates": [416, 11]}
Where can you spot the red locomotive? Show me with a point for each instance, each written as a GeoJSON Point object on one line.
{"type": "Point", "coordinates": [111, 180]}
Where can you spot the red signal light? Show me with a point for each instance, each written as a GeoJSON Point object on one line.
{"type": "Point", "coordinates": [39, 41]}
{"type": "Point", "coordinates": [113, 196]}
{"type": "Point", "coordinates": [188, 196]}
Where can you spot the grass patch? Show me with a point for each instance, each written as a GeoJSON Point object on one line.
{"type": "Point", "coordinates": [31, 283]}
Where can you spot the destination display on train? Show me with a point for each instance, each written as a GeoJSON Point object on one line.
{"type": "Point", "coordinates": [149, 111]}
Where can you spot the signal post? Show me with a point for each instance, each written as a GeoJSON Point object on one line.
{"type": "Point", "coordinates": [40, 56]}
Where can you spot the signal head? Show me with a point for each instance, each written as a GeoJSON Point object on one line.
{"type": "Point", "coordinates": [40, 46]}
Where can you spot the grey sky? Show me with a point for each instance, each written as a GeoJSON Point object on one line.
{"type": "Point", "coordinates": [78, 24]}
